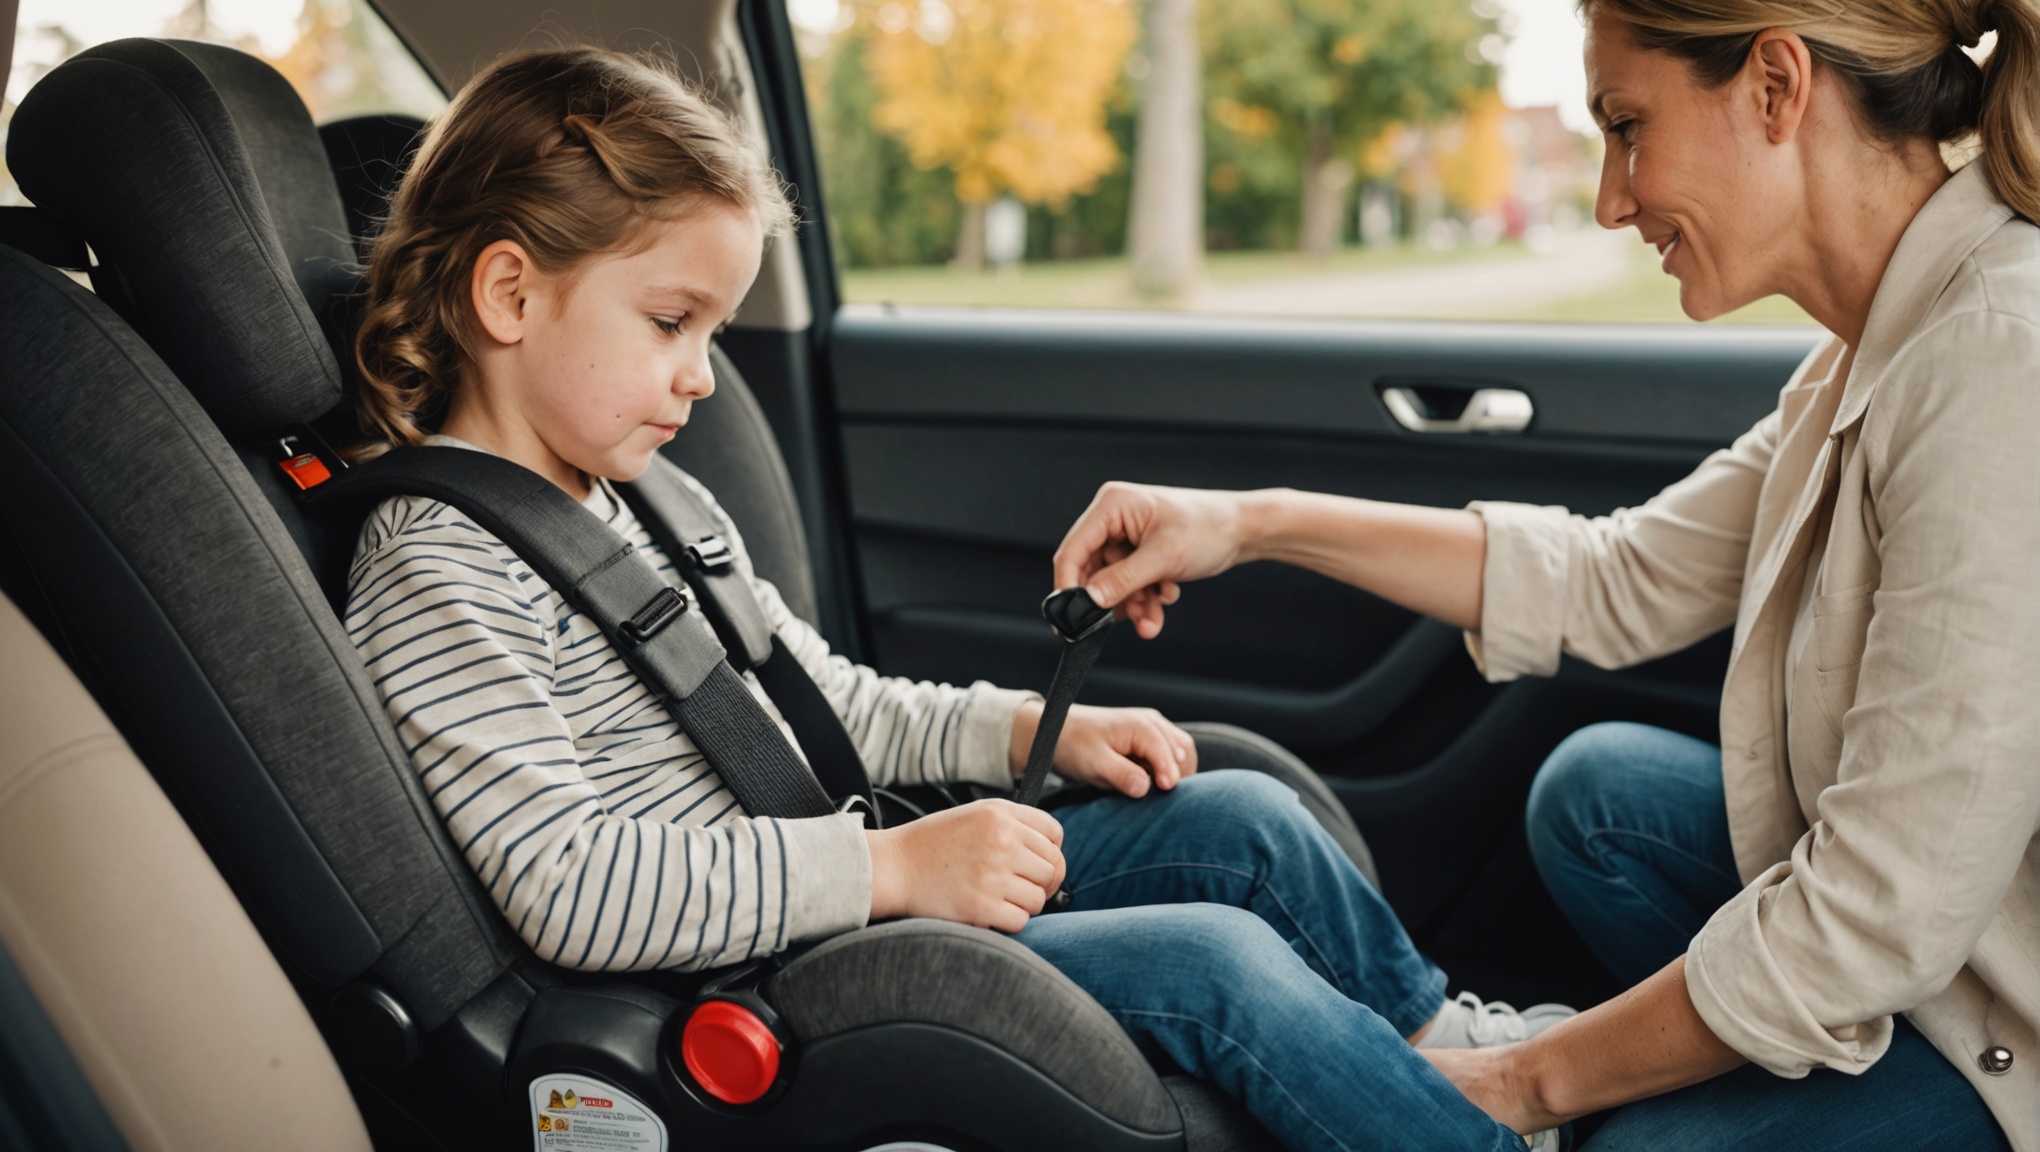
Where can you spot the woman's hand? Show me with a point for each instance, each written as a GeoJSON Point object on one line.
{"type": "Point", "coordinates": [1116, 748]}
{"type": "Point", "coordinates": [1137, 542]}
{"type": "Point", "coordinates": [991, 863]}
{"type": "Point", "coordinates": [1495, 1080]}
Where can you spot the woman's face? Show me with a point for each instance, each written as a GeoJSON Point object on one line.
{"type": "Point", "coordinates": [1693, 170]}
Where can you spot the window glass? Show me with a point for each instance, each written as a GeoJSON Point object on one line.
{"type": "Point", "coordinates": [1427, 159]}
{"type": "Point", "coordinates": [339, 55]}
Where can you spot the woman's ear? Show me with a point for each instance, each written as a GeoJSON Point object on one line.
{"type": "Point", "coordinates": [500, 290]}
{"type": "Point", "coordinates": [1784, 70]}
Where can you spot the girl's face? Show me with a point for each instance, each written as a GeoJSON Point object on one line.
{"type": "Point", "coordinates": [1692, 169]}
{"type": "Point", "coordinates": [588, 374]}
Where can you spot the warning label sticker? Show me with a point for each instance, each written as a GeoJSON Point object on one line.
{"type": "Point", "coordinates": [571, 1113]}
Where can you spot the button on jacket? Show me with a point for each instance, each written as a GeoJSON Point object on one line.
{"type": "Point", "coordinates": [1884, 824]}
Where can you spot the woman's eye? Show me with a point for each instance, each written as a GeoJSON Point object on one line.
{"type": "Point", "coordinates": [1621, 129]}
{"type": "Point", "coordinates": [669, 325]}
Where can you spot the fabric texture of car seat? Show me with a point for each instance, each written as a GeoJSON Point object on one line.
{"type": "Point", "coordinates": [187, 607]}
{"type": "Point", "coordinates": [368, 155]}
{"type": "Point", "coordinates": [936, 972]}
{"type": "Point", "coordinates": [150, 971]}
{"type": "Point", "coordinates": [162, 116]}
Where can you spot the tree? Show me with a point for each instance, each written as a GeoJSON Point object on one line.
{"type": "Point", "coordinates": [1165, 225]}
{"type": "Point", "coordinates": [1009, 95]}
{"type": "Point", "coordinates": [1330, 75]}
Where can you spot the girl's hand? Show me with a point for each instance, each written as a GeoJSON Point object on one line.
{"type": "Point", "coordinates": [1498, 1082]}
{"type": "Point", "coordinates": [1116, 748]}
{"type": "Point", "coordinates": [1136, 543]}
{"type": "Point", "coordinates": [991, 863]}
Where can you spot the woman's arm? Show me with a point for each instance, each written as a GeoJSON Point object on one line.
{"type": "Point", "coordinates": [1644, 1042]}
{"type": "Point", "coordinates": [1137, 542]}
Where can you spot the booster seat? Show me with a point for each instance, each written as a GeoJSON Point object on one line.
{"type": "Point", "coordinates": [152, 537]}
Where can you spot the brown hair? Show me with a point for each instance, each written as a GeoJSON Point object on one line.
{"type": "Point", "coordinates": [570, 152]}
{"type": "Point", "coordinates": [1902, 62]}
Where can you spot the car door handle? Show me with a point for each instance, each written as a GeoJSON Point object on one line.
{"type": "Point", "coordinates": [1491, 411]}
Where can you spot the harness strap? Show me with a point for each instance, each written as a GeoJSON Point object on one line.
{"type": "Point", "coordinates": [673, 651]}
{"type": "Point", "coordinates": [685, 528]}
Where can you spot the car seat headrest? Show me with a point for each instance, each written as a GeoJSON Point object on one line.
{"type": "Point", "coordinates": [196, 175]}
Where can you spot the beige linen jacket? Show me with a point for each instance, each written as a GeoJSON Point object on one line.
{"type": "Point", "coordinates": [1885, 829]}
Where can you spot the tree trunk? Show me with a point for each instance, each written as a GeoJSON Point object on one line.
{"type": "Point", "coordinates": [1165, 228]}
{"type": "Point", "coordinates": [1324, 191]}
{"type": "Point", "coordinates": [970, 239]}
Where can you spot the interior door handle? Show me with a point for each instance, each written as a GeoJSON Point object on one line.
{"type": "Point", "coordinates": [1492, 411]}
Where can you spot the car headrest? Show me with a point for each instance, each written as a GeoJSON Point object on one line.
{"type": "Point", "coordinates": [196, 175]}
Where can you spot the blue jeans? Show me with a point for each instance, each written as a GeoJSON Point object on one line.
{"type": "Point", "coordinates": [1629, 829]}
{"type": "Point", "coordinates": [1221, 924]}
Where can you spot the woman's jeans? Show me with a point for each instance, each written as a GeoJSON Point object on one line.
{"type": "Point", "coordinates": [1630, 831]}
{"type": "Point", "coordinates": [1220, 923]}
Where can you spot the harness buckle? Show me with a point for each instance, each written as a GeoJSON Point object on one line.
{"type": "Point", "coordinates": [669, 605]}
{"type": "Point", "coordinates": [711, 553]}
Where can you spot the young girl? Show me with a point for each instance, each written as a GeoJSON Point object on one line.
{"type": "Point", "coordinates": [564, 247]}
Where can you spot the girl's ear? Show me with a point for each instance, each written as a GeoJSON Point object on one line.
{"type": "Point", "coordinates": [500, 290]}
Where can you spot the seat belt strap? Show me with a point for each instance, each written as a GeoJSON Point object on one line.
{"type": "Point", "coordinates": [685, 528]}
{"type": "Point", "coordinates": [1082, 626]}
{"type": "Point", "coordinates": [596, 570]}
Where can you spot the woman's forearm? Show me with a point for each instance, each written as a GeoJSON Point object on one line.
{"type": "Point", "coordinates": [1428, 560]}
{"type": "Point", "coordinates": [1647, 1041]}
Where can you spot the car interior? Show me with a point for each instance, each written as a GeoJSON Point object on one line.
{"type": "Point", "coordinates": [229, 917]}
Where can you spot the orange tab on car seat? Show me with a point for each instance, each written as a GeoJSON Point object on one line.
{"type": "Point", "coordinates": [305, 470]}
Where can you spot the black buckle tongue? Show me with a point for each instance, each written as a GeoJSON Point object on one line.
{"type": "Point", "coordinates": [711, 553]}
{"type": "Point", "coordinates": [1074, 615]}
{"type": "Point", "coordinates": [660, 611]}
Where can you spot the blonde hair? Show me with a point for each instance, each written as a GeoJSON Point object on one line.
{"type": "Point", "coordinates": [1902, 61]}
{"type": "Point", "coordinates": [570, 152]}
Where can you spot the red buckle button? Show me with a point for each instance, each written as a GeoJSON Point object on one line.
{"type": "Point", "coordinates": [306, 471]}
{"type": "Point", "coordinates": [730, 1052]}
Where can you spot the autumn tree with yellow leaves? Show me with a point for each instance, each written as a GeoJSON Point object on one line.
{"type": "Point", "coordinates": [1009, 95]}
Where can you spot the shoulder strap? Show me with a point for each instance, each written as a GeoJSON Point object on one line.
{"type": "Point", "coordinates": [686, 530]}
{"type": "Point", "coordinates": [597, 571]}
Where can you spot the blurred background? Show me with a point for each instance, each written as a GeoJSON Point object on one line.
{"type": "Point", "coordinates": [1361, 158]}
{"type": "Point", "coordinates": [1419, 159]}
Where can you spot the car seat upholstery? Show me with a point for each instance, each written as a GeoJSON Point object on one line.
{"type": "Point", "coordinates": [186, 1031]}
{"type": "Point", "coordinates": [149, 535]}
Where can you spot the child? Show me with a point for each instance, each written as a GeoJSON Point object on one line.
{"type": "Point", "coordinates": [569, 238]}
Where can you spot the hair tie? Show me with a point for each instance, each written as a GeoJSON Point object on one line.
{"type": "Point", "coordinates": [1974, 21]}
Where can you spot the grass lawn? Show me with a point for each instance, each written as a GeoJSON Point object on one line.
{"type": "Point", "coordinates": [1647, 295]}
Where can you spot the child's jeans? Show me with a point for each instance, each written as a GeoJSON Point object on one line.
{"type": "Point", "coordinates": [1221, 924]}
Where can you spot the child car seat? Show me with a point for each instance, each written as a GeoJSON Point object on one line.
{"type": "Point", "coordinates": [174, 581]}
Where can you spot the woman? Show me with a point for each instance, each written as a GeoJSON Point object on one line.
{"type": "Point", "coordinates": [1851, 882]}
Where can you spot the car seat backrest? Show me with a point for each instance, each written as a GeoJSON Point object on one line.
{"type": "Point", "coordinates": [137, 541]}
{"type": "Point", "coordinates": [134, 144]}
{"type": "Point", "coordinates": [151, 974]}
{"type": "Point", "coordinates": [368, 155]}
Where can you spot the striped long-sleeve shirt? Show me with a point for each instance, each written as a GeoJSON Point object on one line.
{"type": "Point", "coordinates": [599, 830]}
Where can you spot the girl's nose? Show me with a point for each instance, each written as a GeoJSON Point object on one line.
{"type": "Point", "coordinates": [1614, 205]}
{"type": "Point", "coordinates": [696, 378]}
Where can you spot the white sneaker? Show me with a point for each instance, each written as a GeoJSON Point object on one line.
{"type": "Point", "coordinates": [1466, 1022]}
{"type": "Point", "coordinates": [1545, 1141]}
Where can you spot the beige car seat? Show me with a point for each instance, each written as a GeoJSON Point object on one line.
{"type": "Point", "coordinates": [156, 982]}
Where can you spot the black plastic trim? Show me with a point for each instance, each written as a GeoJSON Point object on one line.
{"type": "Point", "coordinates": [46, 1104]}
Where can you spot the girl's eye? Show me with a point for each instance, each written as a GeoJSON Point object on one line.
{"type": "Point", "coordinates": [1621, 129]}
{"type": "Point", "coordinates": [670, 327]}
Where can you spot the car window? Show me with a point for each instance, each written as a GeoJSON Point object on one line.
{"type": "Point", "coordinates": [339, 55]}
{"type": "Point", "coordinates": [1427, 159]}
